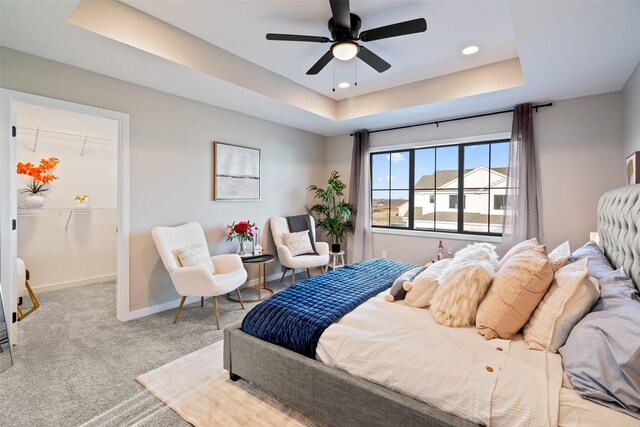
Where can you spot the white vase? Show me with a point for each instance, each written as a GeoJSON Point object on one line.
{"type": "Point", "coordinates": [34, 201]}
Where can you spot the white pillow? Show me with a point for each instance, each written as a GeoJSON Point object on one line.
{"type": "Point", "coordinates": [196, 255]}
{"type": "Point", "coordinates": [298, 242]}
{"type": "Point", "coordinates": [571, 295]}
{"type": "Point", "coordinates": [559, 257]}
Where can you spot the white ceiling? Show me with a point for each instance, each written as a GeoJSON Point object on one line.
{"type": "Point", "coordinates": [565, 50]}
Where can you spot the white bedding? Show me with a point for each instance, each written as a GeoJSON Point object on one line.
{"type": "Point", "coordinates": [496, 382]}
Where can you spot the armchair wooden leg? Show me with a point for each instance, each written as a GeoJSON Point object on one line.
{"type": "Point", "coordinates": [240, 297]}
{"type": "Point", "coordinates": [308, 274]}
{"type": "Point", "coordinates": [293, 276]}
{"type": "Point", "coordinates": [201, 301]}
{"type": "Point", "coordinates": [215, 309]}
{"type": "Point", "coordinates": [283, 273]}
{"type": "Point", "coordinates": [175, 319]}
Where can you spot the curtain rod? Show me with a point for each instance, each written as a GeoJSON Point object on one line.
{"type": "Point", "coordinates": [437, 122]}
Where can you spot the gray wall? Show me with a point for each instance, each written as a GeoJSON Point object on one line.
{"type": "Point", "coordinates": [171, 161]}
{"type": "Point", "coordinates": [579, 147]}
{"type": "Point", "coordinates": [631, 111]}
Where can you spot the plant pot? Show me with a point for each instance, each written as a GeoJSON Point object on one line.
{"type": "Point", "coordinates": [33, 201]}
{"type": "Point", "coordinates": [335, 247]}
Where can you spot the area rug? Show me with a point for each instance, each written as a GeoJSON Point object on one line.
{"type": "Point", "coordinates": [198, 388]}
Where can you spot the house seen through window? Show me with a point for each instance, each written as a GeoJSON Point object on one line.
{"type": "Point", "coordinates": [421, 188]}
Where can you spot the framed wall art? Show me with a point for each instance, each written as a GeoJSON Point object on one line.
{"type": "Point", "coordinates": [236, 172]}
{"type": "Point", "coordinates": [633, 169]}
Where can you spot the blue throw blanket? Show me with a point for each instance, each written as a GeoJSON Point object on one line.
{"type": "Point", "coordinates": [295, 318]}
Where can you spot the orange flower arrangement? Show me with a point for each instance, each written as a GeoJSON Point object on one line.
{"type": "Point", "coordinates": [40, 175]}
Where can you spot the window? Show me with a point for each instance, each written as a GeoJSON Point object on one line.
{"type": "Point", "coordinates": [420, 189]}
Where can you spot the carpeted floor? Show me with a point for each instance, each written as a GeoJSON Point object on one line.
{"type": "Point", "coordinates": [76, 364]}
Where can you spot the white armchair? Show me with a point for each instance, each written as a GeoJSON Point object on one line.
{"type": "Point", "coordinates": [279, 226]}
{"type": "Point", "coordinates": [197, 280]}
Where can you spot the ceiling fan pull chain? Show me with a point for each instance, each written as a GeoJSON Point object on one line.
{"type": "Point", "coordinates": [356, 79]}
{"type": "Point", "coordinates": [333, 62]}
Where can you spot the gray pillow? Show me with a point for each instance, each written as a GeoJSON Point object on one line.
{"type": "Point", "coordinates": [599, 265]}
{"type": "Point", "coordinates": [602, 354]}
{"type": "Point", "coordinates": [397, 292]}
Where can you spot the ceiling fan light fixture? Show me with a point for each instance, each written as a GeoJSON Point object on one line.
{"type": "Point", "coordinates": [470, 50]}
{"type": "Point", "coordinates": [345, 51]}
{"type": "Point", "coordinates": [343, 85]}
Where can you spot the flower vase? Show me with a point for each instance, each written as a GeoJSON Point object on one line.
{"type": "Point", "coordinates": [33, 201]}
{"type": "Point", "coordinates": [244, 248]}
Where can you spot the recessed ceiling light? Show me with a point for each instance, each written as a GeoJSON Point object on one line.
{"type": "Point", "coordinates": [343, 85]}
{"type": "Point", "coordinates": [470, 50]}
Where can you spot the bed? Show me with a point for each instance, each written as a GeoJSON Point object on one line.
{"type": "Point", "coordinates": [333, 390]}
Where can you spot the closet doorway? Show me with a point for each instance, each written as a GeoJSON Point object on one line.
{"type": "Point", "coordinates": [75, 233]}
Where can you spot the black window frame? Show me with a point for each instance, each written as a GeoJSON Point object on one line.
{"type": "Point", "coordinates": [461, 196]}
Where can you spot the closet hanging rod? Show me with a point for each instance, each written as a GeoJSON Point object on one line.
{"type": "Point", "coordinates": [455, 119]}
{"type": "Point", "coordinates": [41, 130]}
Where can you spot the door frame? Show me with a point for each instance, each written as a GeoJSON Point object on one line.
{"type": "Point", "coordinates": [8, 196]}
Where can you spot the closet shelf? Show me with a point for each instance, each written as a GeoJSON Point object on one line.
{"type": "Point", "coordinates": [64, 211]}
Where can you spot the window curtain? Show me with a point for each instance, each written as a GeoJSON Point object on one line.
{"type": "Point", "coordinates": [359, 242]}
{"type": "Point", "coordinates": [521, 212]}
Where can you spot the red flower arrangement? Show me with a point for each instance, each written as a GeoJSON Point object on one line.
{"type": "Point", "coordinates": [40, 175]}
{"type": "Point", "coordinates": [243, 230]}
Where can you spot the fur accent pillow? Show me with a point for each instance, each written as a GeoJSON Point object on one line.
{"type": "Point", "coordinates": [517, 289]}
{"type": "Point", "coordinates": [531, 244]}
{"type": "Point", "coordinates": [420, 291]}
{"type": "Point", "coordinates": [298, 242]}
{"type": "Point", "coordinates": [463, 285]}
{"type": "Point", "coordinates": [196, 255]}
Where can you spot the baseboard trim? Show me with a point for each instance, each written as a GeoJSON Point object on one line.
{"type": "Point", "coordinates": [75, 283]}
{"type": "Point", "coordinates": [136, 314]}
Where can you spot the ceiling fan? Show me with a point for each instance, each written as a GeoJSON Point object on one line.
{"type": "Point", "coordinates": [344, 27]}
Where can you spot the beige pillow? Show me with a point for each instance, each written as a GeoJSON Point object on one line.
{"type": "Point", "coordinates": [298, 242]}
{"type": "Point", "coordinates": [422, 288]}
{"type": "Point", "coordinates": [195, 255]}
{"type": "Point", "coordinates": [559, 257]}
{"type": "Point", "coordinates": [516, 290]}
{"type": "Point", "coordinates": [531, 244]}
{"type": "Point", "coordinates": [571, 295]}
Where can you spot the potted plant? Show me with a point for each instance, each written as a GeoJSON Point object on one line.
{"type": "Point", "coordinates": [40, 176]}
{"type": "Point", "coordinates": [81, 201]}
{"type": "Point", "coordinates": [333, 214]}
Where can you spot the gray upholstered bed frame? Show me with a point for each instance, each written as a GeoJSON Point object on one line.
{"type": "Point", "coordinates": [341, 399]}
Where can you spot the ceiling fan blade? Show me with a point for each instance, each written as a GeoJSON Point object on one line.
{"type": "Point", "coordinates": [297, 38]}
{"type": "Point", "coordinates": [341, 13]}
{"type": "Point", "coordinates": [322, 62]}
{"type": "Point", "coordinates": [373, 60]}
{"type": "Point", "coordinates": [394, 30]}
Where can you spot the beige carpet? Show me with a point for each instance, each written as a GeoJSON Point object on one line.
{"type": "Point", "coordinates": [198, 388]}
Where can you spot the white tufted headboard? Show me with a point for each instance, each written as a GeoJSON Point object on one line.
{"type": "Point", "coordinates": [619, 228]}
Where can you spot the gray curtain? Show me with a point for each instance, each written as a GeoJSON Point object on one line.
{"type": "Point", "coordinates": [359, 243]}
{"type": "Point", "coordinates": [521, 212]}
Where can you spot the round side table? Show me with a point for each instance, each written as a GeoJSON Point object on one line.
{"type": "Point", "coordinates": [259, 292]}
{"type": "Point", "coordinates": [333, 260]}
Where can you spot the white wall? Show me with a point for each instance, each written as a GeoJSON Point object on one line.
{"type": "Point", "coordinates": [171, 162]}
{"type": "Point", "coordinates": [579, 152]}
{"type": "Point", "coordinates": [631, 111]}
{"type": "Point", "coordinates": [85, 251]}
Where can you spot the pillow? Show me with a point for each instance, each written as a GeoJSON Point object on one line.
{"type": "Point", "coordinates": [463, 285]}
{"type": "Point", "coordinates": [397, 292]}
{"type": "Point", "coordinates": [517, 289]}
{"type": "Point", "coordinates": [298, 242]}
{"type": "Point", "coordinates": [420, 291]}
{"type": "Point", "coordinates": [196, 255]}
{"type": "Point", "coordinates": [602, 354]}
{"type": "Point", "coordinates": [572, 295]}
{"type": "Point", "coordinates": [531, 244]}
{"type": "Point", "coordinates": [598, 264]}
{"type": "Point", "coordinates": [559, 257]}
